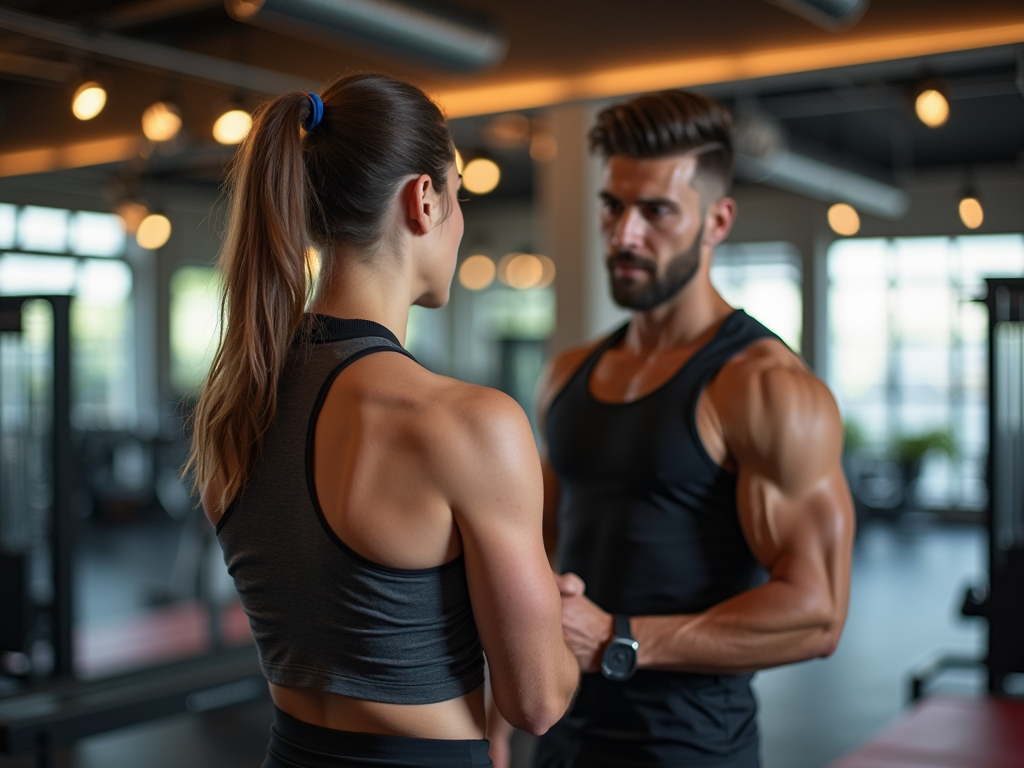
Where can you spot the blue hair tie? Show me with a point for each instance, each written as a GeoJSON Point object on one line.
{"type": "Point", "coordinates": [316, 112]}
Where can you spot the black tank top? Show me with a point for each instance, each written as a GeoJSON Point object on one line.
{"type": "Point", "coordinates": [323, 616]}
{"type": "Point", "coordinates": [649, 521]}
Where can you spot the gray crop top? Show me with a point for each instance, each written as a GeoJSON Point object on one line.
{"type": "Point", "coordinates": [323, 616]}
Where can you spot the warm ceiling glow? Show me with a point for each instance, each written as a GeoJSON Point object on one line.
{"type": "Point", "coordinates": [476, 273]}
{"type": "Point", "coordinates": [161, 121]}
{"type": "Point", "coordinates": [971, 212]}
{"type": "Point", "coordinates": [480, 176]}
{"type": "Point", "coordinates": [521, 270]}
{"type": "Point", "coordinates": [460, 164]}
{"type": "Point", "coordinates": [61, 156]}
{"type": "Point", "coordinates": [232, 126]}
{"type": "Point", "coordinates": [932, 108]}
{"type": "Point", "coordinates": [88, 101]}
{"type": "Point", "coordinates": [730, 66]}
{"type": "Point", "coordinates": [843, 219]}
{"type": "Point", "coordinates": [132, 214]}
{"type": "Point", "coordinates": [543, 146]}
{"type": "Point", "coordinates": [154, 231]}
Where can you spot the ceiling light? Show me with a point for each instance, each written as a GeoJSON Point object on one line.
{"type": "Point", "coordinates": [232, 126]}
{"type": "Point", "coordinates": [843, 219]}
{"type": "Point", "coordinates": [161, 121]}
{"type": "Point", "coordinates": [476, 273]}
{"type": "Point", "coordinates": [89, 100]}
{"type": "Point", "coordinates": [971, 212]}
{"type": "Point", "coordinates": [154, 232]}
{"type": "Point", "coordinates": [521, 270]}
{"type": "Point", "coordinates": [132, 214]}
{"type": "Point", "coordinates": [931, 107]}
{"type": "Point", "coordinates": [548, 275]}
{"type": "Point", "coordinates": [481, 176]}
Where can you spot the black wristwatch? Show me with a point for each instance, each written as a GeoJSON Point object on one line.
{"type": "Point", "coordinates": [619, 660]}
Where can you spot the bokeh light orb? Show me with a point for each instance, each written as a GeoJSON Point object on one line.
{"type": "Point", "coordinates": [481, 176]}
{"type": "Point", "coordinates": [154, 231]}
{"type": "Point", "coordinates": [476, 273]}
{"type": "Point", "coordinates": [843, 219]}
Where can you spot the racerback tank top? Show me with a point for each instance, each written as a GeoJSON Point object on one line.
{"type": "Point", "coordinates": [649, 521]}
{"type": "Point", "coordinates": [323, 616]}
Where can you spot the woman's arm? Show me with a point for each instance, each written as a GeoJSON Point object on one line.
{"type": "Point", "coordinates": [497, 498]}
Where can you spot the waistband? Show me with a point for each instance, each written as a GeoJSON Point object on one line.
{"type": "Point", "coordinates": [298, 744]}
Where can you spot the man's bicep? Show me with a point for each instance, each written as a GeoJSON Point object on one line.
{"type": "Point", "coordinates": [792, 496]}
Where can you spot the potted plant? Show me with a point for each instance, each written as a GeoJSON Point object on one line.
{"type": "Point", "coordinates": [910, 451]}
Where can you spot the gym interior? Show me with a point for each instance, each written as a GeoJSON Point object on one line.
{"type": "Point", "coordinates": [880, 234]}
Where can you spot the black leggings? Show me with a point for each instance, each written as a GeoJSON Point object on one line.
{"type": "Point", "coordinates": [296, 744]}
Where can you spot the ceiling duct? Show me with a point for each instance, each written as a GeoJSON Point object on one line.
{"type": "Point", "coordinates": [833, 15]}
{"type": "Point", "coordinates": [762, 156]}
{"type": "Point", "coordinates": [438, 35]}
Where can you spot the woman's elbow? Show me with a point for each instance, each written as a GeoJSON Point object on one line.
{"type": "Point", "coordinates": [540, 720]}
{"type": "Point", "coordinates": [543, 711]}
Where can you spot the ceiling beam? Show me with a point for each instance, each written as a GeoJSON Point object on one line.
{"type": "Point", "coordinates": [34, 68]}
{"type": "Point", "coordinates": [151, 11]}
{"type": "Point", "coordinates": [152, 56]}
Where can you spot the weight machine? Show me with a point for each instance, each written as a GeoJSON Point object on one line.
{"type": "Point", "coordinates": [47, 705]}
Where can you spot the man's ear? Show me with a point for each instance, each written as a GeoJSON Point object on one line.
{"type": "Point", "coordinates": [718, 220]}
{"type": "Point", "coordinates": [419, 204]}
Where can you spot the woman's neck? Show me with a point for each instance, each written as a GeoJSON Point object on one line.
{"type": "Point", "coordinates": [355, 291]}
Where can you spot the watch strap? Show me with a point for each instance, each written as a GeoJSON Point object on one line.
{"type": "Point", "coordinates": [622, 628]}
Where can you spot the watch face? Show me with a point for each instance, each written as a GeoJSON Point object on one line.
{"type": "Point", "coordinates": [619, 660]}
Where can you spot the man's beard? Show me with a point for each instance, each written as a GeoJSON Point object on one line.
{"type": "Point", "coordinates": [644, 296]}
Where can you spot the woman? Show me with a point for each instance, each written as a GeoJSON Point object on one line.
{"type": "Point", "coordinates": [382, 523]}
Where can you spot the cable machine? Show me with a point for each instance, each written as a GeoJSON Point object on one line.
{"type": "Point", "coordinates": [1001, 601]}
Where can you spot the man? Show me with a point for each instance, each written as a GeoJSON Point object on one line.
{"type": "Point", "coordinates": [693, 490]}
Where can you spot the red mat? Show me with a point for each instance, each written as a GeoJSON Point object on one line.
{"type": "Point", "coordinates": [948, 732]}
{"type": "Point", "coordinates": [155, 636]}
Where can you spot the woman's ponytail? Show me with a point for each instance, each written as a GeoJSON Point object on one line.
{"type": "Point", "coordinates": [263, 261]}
{"type": "Point", "coordinates": [334, 183]}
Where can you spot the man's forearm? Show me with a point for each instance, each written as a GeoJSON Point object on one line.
{"type": "Point", "coordinates": [767, 626]}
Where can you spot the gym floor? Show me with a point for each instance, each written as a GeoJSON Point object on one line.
{"type": "Point", "coordinates": [907, 585]}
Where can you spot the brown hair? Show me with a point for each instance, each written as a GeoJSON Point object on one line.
{"type": "Point", "coordinates": [670, 123]}
{"type": "Point", "coordinates": [291, 189]}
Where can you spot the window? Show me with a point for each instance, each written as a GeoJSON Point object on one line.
{"type": "Point", "coordinates": [908, 355]}
{"type": "Point", "coordinates": [765, 280]}
{"type": "Point", "coordinates": [195, 325]}
{"type": "Point", "coordinates": [52, 243]}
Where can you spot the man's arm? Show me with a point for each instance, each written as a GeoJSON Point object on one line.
{"type": "Point", "coordinates": [784, 433]}
{"type": "Point", "coordinates": [553, 379]}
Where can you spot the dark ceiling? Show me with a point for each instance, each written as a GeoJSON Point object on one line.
{"type": "Point", "coordinates": [859, 116]}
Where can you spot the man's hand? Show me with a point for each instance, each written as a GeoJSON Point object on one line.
{"type": "Point", "coordinates": [587, 628]}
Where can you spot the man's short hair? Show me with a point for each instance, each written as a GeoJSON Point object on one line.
{"type": "Point", "coordinates": [671, 123]}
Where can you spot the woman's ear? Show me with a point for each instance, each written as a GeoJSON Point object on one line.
{"type": "Point", "coordinates": [420, 201]}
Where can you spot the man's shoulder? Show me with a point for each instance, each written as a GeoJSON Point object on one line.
{"type": "Point", "coordinates": [768, 400]}
{"type": "Point", "coordinates": [560, 369]}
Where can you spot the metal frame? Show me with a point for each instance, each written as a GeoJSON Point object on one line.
{"type": "Point", "coordinates": [61, 709]}
{"type": "Point", "coordinates": [1001, 601]}
{"type": "Point", "coordinates": [61, 523]}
